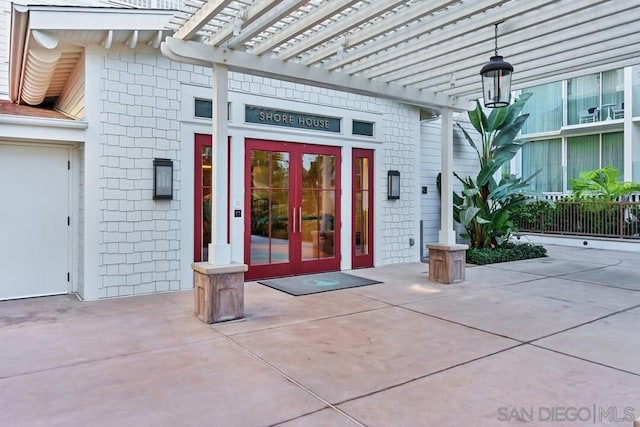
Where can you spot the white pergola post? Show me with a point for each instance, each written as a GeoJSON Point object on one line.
{"type": "Point", "coordinates": [219, 283]}
{"type": "Point", "coordinates": [630, 134]}
{"type": "Point", "coordinates": [447, 235]}
{"type": "Point", "coordinates": [447, 259]}
{"type": "Point", "coordinates": [219, 249]}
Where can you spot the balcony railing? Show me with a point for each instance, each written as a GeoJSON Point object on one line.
{"type": "Point", "coordinates": [585, 218]}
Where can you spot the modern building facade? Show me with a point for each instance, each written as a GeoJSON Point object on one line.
{"type": "Point", "coordinates": [579, 124]}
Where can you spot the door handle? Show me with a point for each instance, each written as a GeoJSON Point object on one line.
{"type": "Point", "coordinates": [300, 219]}
{"type": "Point", "coordinates": [294, 220]}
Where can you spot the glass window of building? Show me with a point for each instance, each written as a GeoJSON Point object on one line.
{"type": "Point", "coordinates": [203, 108]}
{"type": "Point", "coordinates": [591, 152]}
{"type": "Point", "coordinates": [613, 151]}
{"type": "Point", "coordinates": [544, 108]}
{"type": "Point", "coordinates": [583, 154]}
{"type": "Point", "coordinates": [635, 85]}
{"type": "Point", "coordinates": [612, 92]}
{"type": "Point", "coordinates": [362, 128]}
{"type": "Point", "coordinates": [544, 156]}
{"type": "Point", "coordinates": [583, 99]}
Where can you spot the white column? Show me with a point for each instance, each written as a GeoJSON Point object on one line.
{"type": "Point", "coordinates": [629, 151]}
{"type": "Point", "coordinates": [219, 249]}
{"type": "Point", "coordinates": [447, 235]}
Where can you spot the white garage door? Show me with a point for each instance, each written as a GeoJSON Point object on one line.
{"type": "Point", "coordinates": [34, 209]}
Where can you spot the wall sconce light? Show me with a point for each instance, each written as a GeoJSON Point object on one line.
{"type": "Point", "coordinates": [162, 179]}
{"type": "Point", "coordinates": [496, 79]}
{"type": "Point", "coordinates": [393, 185]}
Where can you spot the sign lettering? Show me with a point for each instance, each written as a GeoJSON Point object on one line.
{"type": "Point", "coordinates": [265, 116]}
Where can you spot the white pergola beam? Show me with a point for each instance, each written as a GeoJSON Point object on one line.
{"type": "Point", "coordinates": [553, 36]}
{"type": "Point", "coordinates": [199, 53]}
{"type": "Point", "coordinates": [373, 31]}
{"type": "Point", "coordinates": [267, 19]}
{"type": "Point", "coordinates": [200, 18]}
{"type": "Point", "coordinates": [312, 19]}
{"type": "Point", "coordinates": [253, 12]}
{"type": "Point", "coordinates": [417, 52]}
{"type": "Point", "coordinates": [476, 28]}
{"type": "Point", "coordinates": [556, 42]}
{"type": "Point", "coordinates": [554, 66]}
{"type": "Point", "coordinates": [361, 16]}
{"type": "Point", "coordinates": [367, 56]}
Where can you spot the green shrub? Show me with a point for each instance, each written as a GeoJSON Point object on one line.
{"type": "Point", "coordinates": [530, 216]}
{"type": "Point", "coordinates": [507, 252]}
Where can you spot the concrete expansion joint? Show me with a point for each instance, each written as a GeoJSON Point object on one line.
{"type": "Point", "coordinates": [292, 381]}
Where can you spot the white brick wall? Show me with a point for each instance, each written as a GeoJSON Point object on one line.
{"type": "Point", "coordinates": [140, 237]}
{"type": "Point", "coordinates": [400, 217]}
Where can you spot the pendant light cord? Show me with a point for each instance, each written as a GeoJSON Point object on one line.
{"type": "Point", "coordinates": [496, 36]}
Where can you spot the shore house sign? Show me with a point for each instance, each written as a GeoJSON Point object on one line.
{"type": "Point", "coordinates": [292, 119]}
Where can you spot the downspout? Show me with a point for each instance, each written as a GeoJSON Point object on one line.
{"type": "Point", "coordinates": [17, 43]}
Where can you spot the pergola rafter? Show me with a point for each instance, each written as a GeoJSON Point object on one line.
{"type": "Point", "coordinates": [553, 39]}
{"type": "Point", "coordinates": [302, 25]}
{"type": "Point", "coordinates": [362, 16]}
{"type": "Point", "coordinates": [364, 35]}
{"type": "Point", "coordinates": [432, 48]}
{"type": "Point", "coordinates": [266, 20]}
{"type": "Point", "coordinates": [200, 18]}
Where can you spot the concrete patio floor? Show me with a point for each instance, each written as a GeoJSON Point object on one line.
{"type": "Point", "coordinates": [552, 341]}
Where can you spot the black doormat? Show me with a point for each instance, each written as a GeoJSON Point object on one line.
{"type": "Point", "coordinates": [315, 283]}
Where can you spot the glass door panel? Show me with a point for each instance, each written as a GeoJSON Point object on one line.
{"type": "Point", "coordinates": [279, 226]}
{"type": "Point", "coordinates": [203, 195]}
{"type": "Point", "coordinates": [318, 206]}
{"type": "Point", "coordinates": [269, 212]}
{"type": "Point", "coordinates": [206, 201]}
{"type": "Point", "coordinates": [362, 244]}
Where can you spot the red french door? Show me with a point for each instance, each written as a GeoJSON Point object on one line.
{"type": "Point", "coordinates": [362, 209]}
{"type": "Point", "coordinates": [292, 205]}
{"type": "Point", "coordinates": [202, 187]}
{"type": "Point", "coordinates": [202, 197]}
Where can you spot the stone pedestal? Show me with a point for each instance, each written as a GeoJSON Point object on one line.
{"type": "Point", "coordinates": [447, 263]}
{"type": "Point", "coordinates": [218, 291]}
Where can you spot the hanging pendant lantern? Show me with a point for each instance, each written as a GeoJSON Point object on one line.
{"type": "Point", "coordinates": [496, 79]}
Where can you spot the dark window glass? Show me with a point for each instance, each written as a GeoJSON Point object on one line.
{"type": "Point", "coordinates": [204, 108]}
{"type": "Point", "coordinates": [362, 128]}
